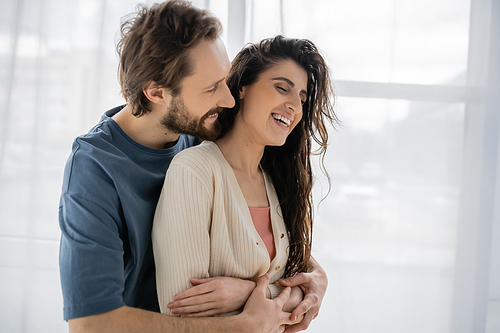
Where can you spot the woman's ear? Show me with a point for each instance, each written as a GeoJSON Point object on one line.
{"type": "Point", "coordinates": [156, 94]}
{"type": "Point", "coordinates": [243, 92]}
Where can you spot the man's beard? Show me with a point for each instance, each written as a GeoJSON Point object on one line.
{"type": "Point", "coordinates": [179, 120]}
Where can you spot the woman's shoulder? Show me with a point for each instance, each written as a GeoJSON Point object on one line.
{"type": "Point", "coordinates": [202, 157]}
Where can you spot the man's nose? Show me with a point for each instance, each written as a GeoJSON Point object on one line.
{"type": "Point", "coordinates": [226, 100]}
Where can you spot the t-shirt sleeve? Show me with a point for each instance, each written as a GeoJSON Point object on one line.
{"type": "Point", "coordinates": [91, 259]}
{"type": "Point", "coordinates": [181, 232]}
{"type": "Point", "coordinates": [91, 250]}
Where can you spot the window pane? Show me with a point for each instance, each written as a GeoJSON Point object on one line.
{"type": "Point", "coordinates": [421, 42]}
{"type": "Point", "coordinates": [386, 232]}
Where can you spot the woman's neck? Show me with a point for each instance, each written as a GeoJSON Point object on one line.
{"type": "Point", "coordinates": [242, 153]}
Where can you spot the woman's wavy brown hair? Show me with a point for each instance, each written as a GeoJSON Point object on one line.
{"type": "Point", "coordinates": [154, 47]}
{"type": "Point", "coordinates": [289, 166]}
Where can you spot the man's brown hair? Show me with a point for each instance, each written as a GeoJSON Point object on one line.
{"type": "Point", "coordinates": [154, 46]}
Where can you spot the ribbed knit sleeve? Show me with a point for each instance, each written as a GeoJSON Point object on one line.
{"type": "Point", "coordinates": [181, 233]}
{"type": "Point", "coordinates": [275, 289]}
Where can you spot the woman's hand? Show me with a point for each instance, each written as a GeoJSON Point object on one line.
{"type": "Point", "coordinates": [314, 286]}
{"type": "Point", "coordinates": [212, 296]}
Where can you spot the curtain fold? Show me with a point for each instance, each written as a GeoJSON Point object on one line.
{"type": "Point", "coordinates": [409, 233]}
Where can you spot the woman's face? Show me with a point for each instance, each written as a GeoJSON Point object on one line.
{"type": "Point", "coordinates": [271, 107]}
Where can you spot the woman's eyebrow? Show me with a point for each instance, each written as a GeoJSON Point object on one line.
{"type": "Point", "coordinates": [281, 78]}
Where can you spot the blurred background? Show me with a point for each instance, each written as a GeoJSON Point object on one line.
{"type": "Point", "coordinates": [408, 231]}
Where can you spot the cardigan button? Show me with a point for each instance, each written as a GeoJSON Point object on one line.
{"type": "Point", "coordinates": [277, 268]}
{"type": "Point", "coordinates": [282, 235]}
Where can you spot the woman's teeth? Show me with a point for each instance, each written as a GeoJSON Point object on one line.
{"type": "Point", "coordinates": [285, 121]}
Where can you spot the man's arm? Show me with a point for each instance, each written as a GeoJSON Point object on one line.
{"type": "Point", "coordinates": [128, 320]}
{"type": "Point", "coordinates": [314, 286]}
{"type": "Point", "coordinates": [259, 315]}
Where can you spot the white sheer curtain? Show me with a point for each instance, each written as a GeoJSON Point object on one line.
{"type": "Point", "coordinates": [409, 233]}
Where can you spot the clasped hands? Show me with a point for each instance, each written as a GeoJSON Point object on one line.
{"type": "Point", "coordinates": [219, 295]}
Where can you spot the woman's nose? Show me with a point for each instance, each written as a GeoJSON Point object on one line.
{"type": "Point", "coordinates": [294, 104]}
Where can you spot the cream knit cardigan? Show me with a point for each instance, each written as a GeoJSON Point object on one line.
{"type": "Point", "coordinates": [203, 228]}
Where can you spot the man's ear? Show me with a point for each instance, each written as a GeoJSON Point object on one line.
{"type": "Point", "coordinates": [157, 95]}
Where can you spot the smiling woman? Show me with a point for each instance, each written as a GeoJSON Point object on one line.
{"type": "Point", "coordinates": [272, 105]}
{"type": "Point", "coordinates": [241, 206]}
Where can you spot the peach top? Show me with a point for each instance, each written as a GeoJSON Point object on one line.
{"type": "Point", "coordinates": [261, 218]}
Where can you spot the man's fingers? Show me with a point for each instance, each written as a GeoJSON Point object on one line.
{"type": "Point", "coordinates": [283, 297]}
{"type": "Point", "coordinates": [285, 318]}
{"type": "Point", "coordinates": [302, 308]}
{"type": "Point", "coordinates": [309, 308]}
{"type": "Point", "coordinates": [262, 284]}
{"type": "Point", "coordinates": [295, 280]}
{"type": "Point", "coordinates": [300, 326]}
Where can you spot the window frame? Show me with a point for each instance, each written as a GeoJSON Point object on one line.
{"type": "Point", "coordinates": [477, 260]}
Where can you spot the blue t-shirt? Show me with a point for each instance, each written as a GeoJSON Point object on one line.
{"type": "Point", "coordinates": [110, 189]}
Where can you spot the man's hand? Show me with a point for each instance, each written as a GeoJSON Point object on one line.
{"type": "Point", "coordinates": [267, 313]}
{"type": "Point", "coordinates": [314, 287]}
{"type": "Point", "coordinates": [259, 315]}
{"type": "Point", "coordinates": [212, 296]}
{"type": "Point", "coordinates": [296, 296]}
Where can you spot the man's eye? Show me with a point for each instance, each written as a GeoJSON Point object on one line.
{"type": "Point", "coordinates": [281, 88]}
{"type": "Point", "coordinates": [212, 90]}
